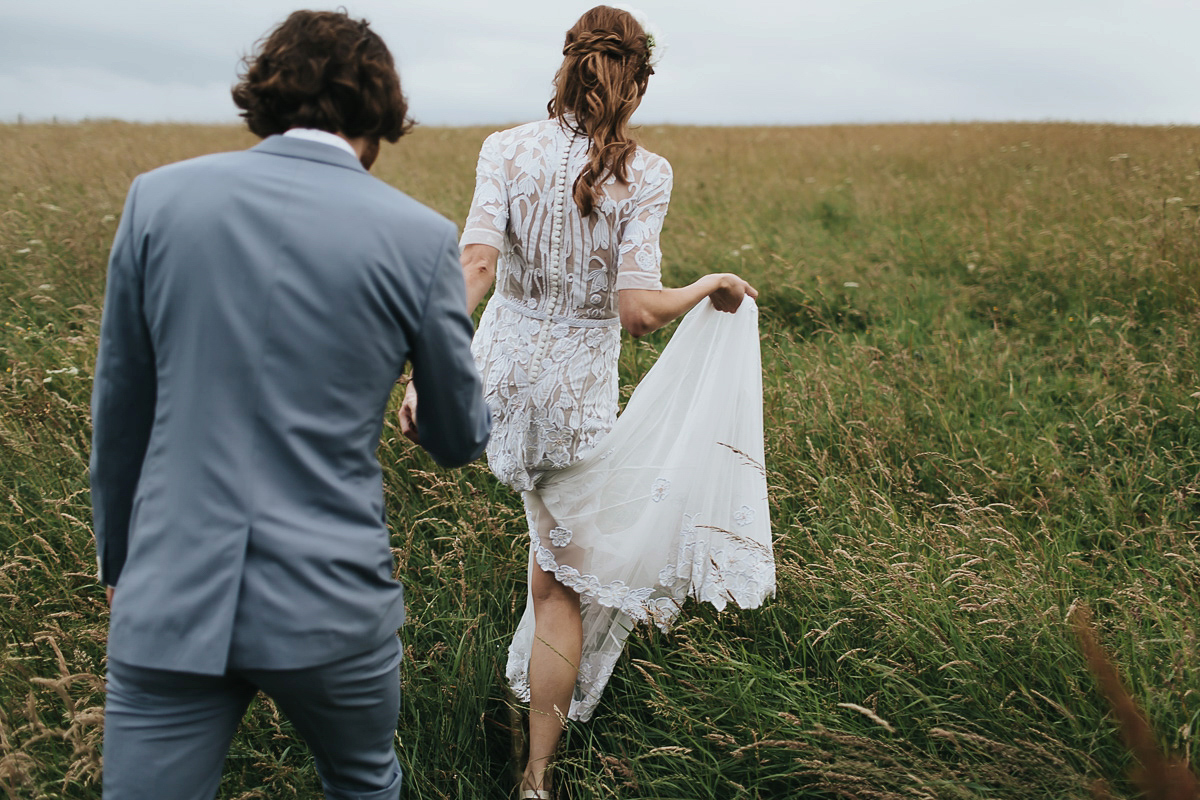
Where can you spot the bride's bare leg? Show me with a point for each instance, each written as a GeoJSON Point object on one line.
{"type": "Point", "coordinates": [553, 664]}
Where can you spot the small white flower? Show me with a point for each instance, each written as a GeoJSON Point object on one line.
{"type": "Point", "coordinates": [560, 536]}
{"type": "Point", "coordinates": [654, 38]}
{"type": "Point", "coordinates": [613, 594]}
{"type": "Point", "coordinates": [545, 559]}
{"type": "Point", "coordinates": [660, 489]}
{"type": "Point", "coordinates": [566, 575]}
{"type": "Point", "coordinates": [743, 516]}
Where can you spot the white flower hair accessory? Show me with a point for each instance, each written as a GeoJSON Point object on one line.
{"type": "Point", "coordinates": [654, 39]}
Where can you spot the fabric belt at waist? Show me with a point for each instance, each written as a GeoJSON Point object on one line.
{"type": "Point", "coordinates": [575, 322]}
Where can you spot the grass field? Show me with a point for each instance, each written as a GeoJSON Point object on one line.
{"type": "Point", "coordinates": [981, 351]}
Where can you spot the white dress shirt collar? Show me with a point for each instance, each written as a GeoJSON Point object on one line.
{"type": "Point", "coordinates": [325, 137]}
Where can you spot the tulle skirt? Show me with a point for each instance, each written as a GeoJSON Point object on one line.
{"type": "Point", "coordinates": [670, 504]}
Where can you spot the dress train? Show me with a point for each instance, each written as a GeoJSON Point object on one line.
{"type": "Point", "coordinates": [670, 504]}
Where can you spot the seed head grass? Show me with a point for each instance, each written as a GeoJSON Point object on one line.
{"type": "Point", "coordinates": [980, 346]}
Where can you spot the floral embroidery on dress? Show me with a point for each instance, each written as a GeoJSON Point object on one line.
{"type": "Point", "coordinates": [547, 348]}
{"type": "Point", "coordinates": [548, 342]}
{"type": "Point", "coordinates": [743, 516]}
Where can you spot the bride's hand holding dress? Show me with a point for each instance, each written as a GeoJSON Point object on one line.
{"type": "Point", "coordinates": [645, 310]}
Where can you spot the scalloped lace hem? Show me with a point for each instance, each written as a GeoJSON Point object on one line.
{"type": "Point", "coordinates": [738, 571]}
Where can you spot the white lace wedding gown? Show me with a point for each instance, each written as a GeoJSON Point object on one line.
{"type": "Point", "coordinates": [635, 514]}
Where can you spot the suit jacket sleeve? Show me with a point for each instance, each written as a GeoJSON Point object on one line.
{"type": "Point", "coordinates": [452, 417]}
{"type": "Point", "coordinates": [123, 397]}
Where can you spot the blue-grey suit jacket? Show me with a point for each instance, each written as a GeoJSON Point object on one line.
{"type": "Point", "coordinates": [260, 307]}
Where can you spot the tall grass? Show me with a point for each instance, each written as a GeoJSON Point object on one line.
{"type": "Point", "coordinates": [981, 348]}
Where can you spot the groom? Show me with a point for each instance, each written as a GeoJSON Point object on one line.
{"type": "Point", "coordinates": [260, 307]}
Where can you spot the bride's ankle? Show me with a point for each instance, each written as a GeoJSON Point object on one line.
{"type": "Point", "coordinates": [534, 779]}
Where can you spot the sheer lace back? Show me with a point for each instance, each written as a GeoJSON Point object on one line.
{"type": "Point", "coordinates": [548, 341]}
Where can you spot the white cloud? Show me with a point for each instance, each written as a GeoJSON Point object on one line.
{"type": "Point", "coordinates": [478, 61]}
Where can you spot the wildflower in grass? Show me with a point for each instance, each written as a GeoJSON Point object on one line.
{"type": "Point", "coordinates": [850, 284]}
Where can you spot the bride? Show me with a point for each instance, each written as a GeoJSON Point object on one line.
{"type": "Point", "coordinates": [623, 526]}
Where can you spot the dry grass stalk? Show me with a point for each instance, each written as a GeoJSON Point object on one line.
{"type": "Point", "coordinates": [1159, 776]}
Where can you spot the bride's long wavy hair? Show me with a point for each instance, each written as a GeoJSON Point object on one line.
{"type": "Point", "coordinates": [605, 70]}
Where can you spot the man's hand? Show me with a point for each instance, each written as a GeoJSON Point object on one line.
{"type": "Point", "coordinates": [109, 591]}
{"type": "Point", "coordinates": [408, 414]}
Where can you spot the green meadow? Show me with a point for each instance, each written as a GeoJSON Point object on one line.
{"type": "Point", "coordinates": [981, 356]}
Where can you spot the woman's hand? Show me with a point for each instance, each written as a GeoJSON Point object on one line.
{"type": "Point", "coordinates": [408, 413]}
{"type": "Point", "coordinates": [729, 291]}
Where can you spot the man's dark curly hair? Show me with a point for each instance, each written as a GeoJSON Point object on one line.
{"type": "Point", "coordinates": [324, 70]}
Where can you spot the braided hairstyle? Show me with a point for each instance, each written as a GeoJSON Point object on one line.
{"type": "Point", "coordinates": [605, 70]}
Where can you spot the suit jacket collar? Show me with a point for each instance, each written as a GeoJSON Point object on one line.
{"type": "Point", "coordinates": [292, 147]}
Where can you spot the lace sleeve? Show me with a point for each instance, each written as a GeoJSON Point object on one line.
{"type": "Point", "coordinates": [488, 219]}
{"type": "Point", "coordinates": [640, 257]}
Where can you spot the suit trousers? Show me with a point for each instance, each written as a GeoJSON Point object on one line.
{"type": "Point", "coordinates": [166, 733]}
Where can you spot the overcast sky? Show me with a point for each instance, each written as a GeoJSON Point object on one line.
{"type": "Point", "coordinates": [733, 62]}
